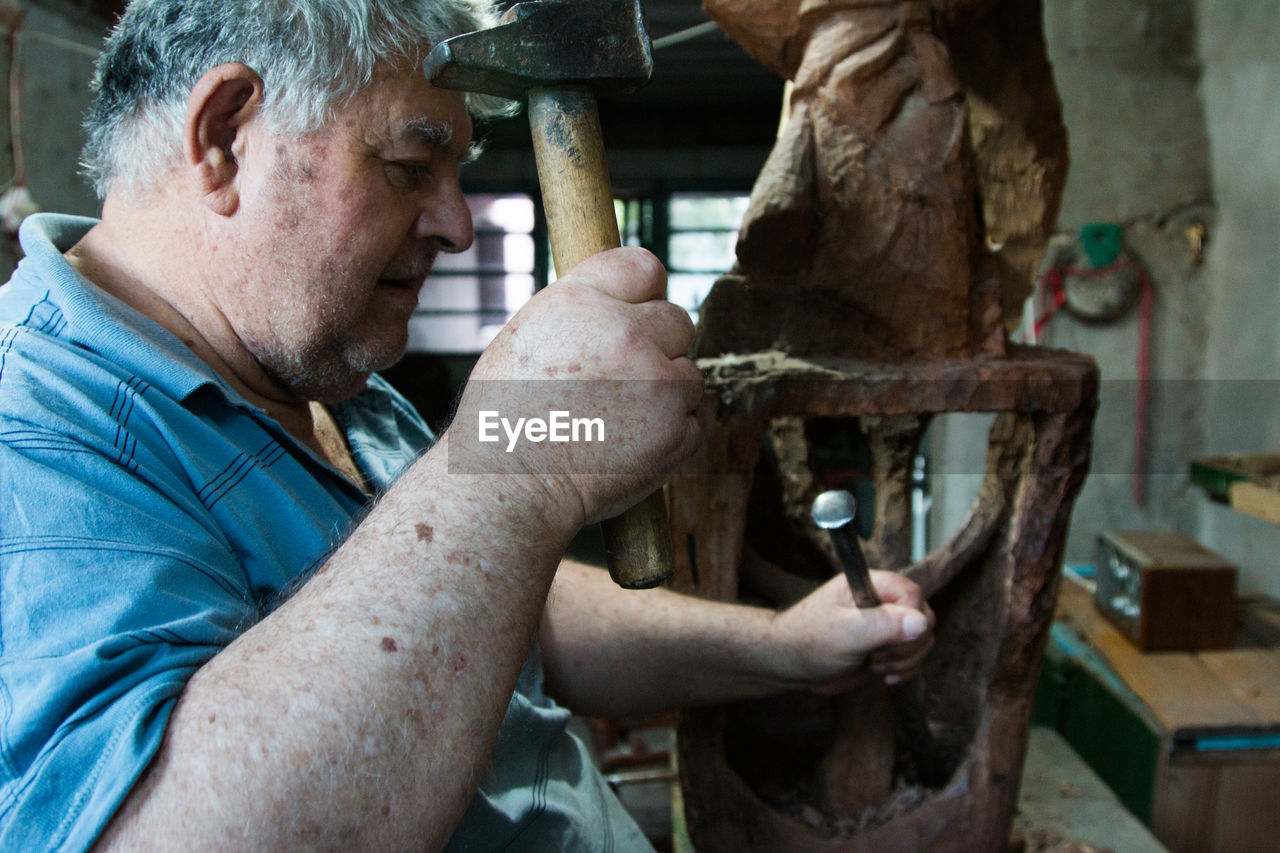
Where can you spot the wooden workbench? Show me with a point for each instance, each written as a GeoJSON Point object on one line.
{"type": "Point", "coordinates": [1214, 718]}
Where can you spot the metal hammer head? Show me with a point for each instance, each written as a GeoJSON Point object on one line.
{"type": "Point", "coordinates": [544, 43]}
{"type": "Point", "coordinates": [834, 509]}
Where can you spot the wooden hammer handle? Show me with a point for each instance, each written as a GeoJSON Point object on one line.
{"type": "Point", "coordinates": [577, 196]}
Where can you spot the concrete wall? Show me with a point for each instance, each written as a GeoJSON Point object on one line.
{"type": "Point", "coordinates": [1128, 75]}
{"type": "Point", "coordinates": [56, 44]}
{"type": "Point", "coordinates": [1240, 86]}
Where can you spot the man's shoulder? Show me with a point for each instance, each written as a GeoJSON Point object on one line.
{"type": "Point", "coordinates": [57, 396]}
{"type": "Point", "coordinates": [74, 380]}
{"type": "Point", "coordinates": [36, 358]}
{"type": "Point", "coordinates": [51, 315]}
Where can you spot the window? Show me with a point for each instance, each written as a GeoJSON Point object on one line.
{"type": "Point", "coordinates": [469, 296]}
{"type": "Point", "coordinates": [703, 233]}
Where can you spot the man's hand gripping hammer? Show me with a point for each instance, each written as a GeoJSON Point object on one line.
{"type": "Point", "coordinates": [557, 54]}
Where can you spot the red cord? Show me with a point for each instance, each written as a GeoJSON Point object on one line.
{"type": "Point", "coordinates": [1145, 310]}
{"type": "Point", "coordinates": [1052, 279]}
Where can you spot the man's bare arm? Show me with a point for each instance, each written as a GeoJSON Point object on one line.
{"type": "Point", "coordinates": [610, 652]}
{"type": "Point", "coordinates": [361, 713]}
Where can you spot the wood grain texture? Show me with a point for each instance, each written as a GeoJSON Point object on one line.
{"type": "Point", "coordinates": [754, 782]}
{"type": "Point", "coordinates": [894, 228]}
{"type": "Point", "coordinates": [576, 192]}
{"type": "Point", "coordinates": [1217, 803]}
{"type": "Point", "coordinates": [913, 187]}
{"type": "Point", "coordinates": [573, 173]}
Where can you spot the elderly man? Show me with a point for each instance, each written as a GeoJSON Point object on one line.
{"type": "Point", "coordinates": [214, 635]}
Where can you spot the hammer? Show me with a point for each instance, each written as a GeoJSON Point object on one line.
{"type": "Point", "coordinates": [834, 512]}
{"type": "Point", "coordinates": [557, 54]}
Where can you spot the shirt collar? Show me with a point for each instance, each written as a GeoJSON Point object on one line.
{"type": "Point", "coordinates": [102, 323]}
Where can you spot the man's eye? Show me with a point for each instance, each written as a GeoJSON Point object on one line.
{"type": "Point", "coordinates": [408, 175]}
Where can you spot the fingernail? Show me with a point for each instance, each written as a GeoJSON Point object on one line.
{"type": "Point", "coordinates": [913, 625]}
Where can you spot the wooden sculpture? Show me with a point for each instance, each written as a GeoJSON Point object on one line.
{"type": "Point", "coordinates": [897, 222]}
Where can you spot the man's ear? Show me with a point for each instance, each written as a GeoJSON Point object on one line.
{"type": "Point", "coordinates": [222, 102]}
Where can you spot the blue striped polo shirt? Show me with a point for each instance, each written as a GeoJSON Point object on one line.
{"type": "Point", "coordinates": [148, 516]}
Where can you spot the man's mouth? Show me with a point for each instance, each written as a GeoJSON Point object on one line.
{"type": "Point", "coordinates": [404, 289]}
{"type": "Point", "coordinates": [408, 283]}
{"type": "Point", "coordinates": [407, 275]}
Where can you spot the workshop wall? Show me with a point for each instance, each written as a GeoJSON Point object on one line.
{"type": "Point", "coordinates": [55, 43]}
{"type": "Point", "coordinates": [1241, 92]}
{"type": "Point", "coordinates": [1128, 75]}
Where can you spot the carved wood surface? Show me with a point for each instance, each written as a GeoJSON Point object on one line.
{"type": "Point", "coordinates": [894, 231]}
{"type": "Point", "coordinates": [915, 181]}
{"type": "Point", "coordinates": [810, 773]}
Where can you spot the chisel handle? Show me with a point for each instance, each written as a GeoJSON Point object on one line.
{"type": "Point", "coordinates": [577, 196]}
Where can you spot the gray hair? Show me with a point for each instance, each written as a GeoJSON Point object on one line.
{"type": "Point", "coordinates": [312, 56]}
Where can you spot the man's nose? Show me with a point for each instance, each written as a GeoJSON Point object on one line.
{"type": "Point", "coordinates": [446, 218]}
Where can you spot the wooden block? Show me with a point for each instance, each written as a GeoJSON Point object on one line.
{"type": "Point", "coordinates": [1259, 498]}
{"type": "Point", "coordinates": [1187, 609]}
{"type": "Point", "coordinates": [1252, 676]}
{"type": "Point", "coordinates": [1165, 591]}
{"type": "Point", "coordinates": [1185, 695]}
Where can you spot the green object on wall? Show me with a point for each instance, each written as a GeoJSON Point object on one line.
{"type": "Point", "coordinates": [1101, 242]}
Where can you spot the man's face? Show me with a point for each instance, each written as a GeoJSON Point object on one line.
{"type": "Point", "coordinates": [341, 229]}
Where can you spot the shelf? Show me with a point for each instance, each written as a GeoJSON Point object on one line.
{"type": "Point", "coordinates": [1217, 474]}
{"type": "Point", "coordinates": [1248, 483]}
{"type": "Point", "coordinates": [1259, 498]}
